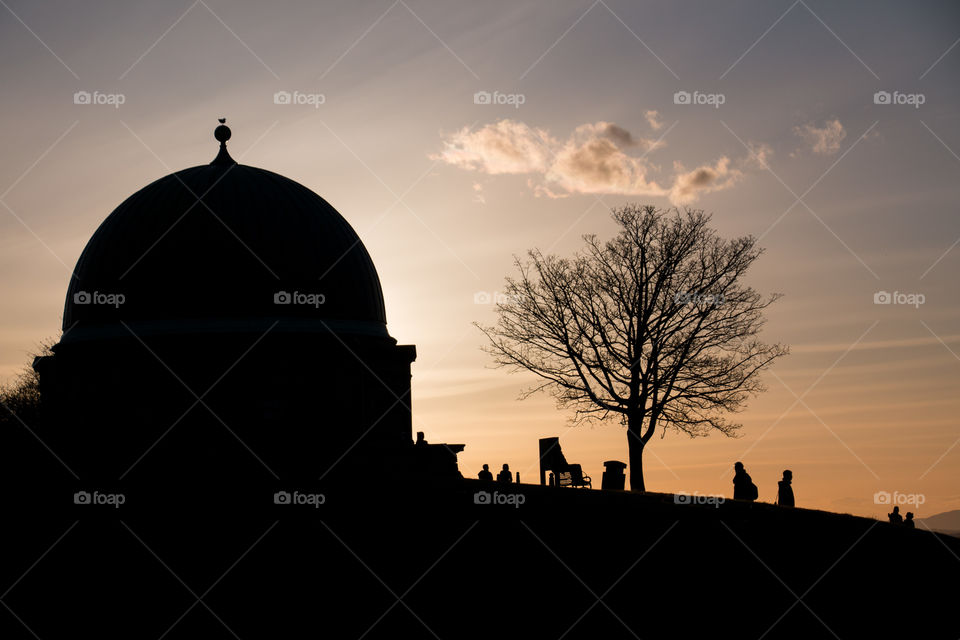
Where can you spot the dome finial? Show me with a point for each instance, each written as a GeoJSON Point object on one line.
{"type": "Point", "coordinates": [223, 133]}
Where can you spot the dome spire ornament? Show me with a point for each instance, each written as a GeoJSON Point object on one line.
{"type": "Point", "coordinates": [223, 133]}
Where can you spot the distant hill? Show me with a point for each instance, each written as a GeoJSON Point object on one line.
{"type": "Point", "coordinates": [947, 522]}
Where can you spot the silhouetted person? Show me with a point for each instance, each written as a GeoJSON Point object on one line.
{"type": "Point", "coordinates": [485, 473]}
{"type": "Point", "coordinates": [895, 517]}
{"type": "Point", "coordinates": [909, 521]}
{"type": "Point", "coordinates": [743, 487]}
{"type": "Point", "coordinates": [505, 476]}
{"type": "Point", "coordinates": [785, 492]}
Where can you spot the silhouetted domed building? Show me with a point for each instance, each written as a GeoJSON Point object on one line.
{"type": "Point", "coordinates": [226, 320]}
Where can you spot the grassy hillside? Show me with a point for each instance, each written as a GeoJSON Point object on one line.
{"type": "Point", "coordinates": [547, 563]}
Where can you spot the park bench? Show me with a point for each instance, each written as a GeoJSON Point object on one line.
{"type": "Point", "coordinates": [564, 473]}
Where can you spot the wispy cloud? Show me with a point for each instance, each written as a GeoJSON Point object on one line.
{"type": "Point", "coordinates": [687, 186]}
{"type": "Point", "coordinates": [506, 146]}
{"type": "Point", "coordinates": [597, 158]}
{"type": "Point", "coordinates": [478, 193]}
{"type": "Point", "coordinates": [825, 140]}
{"type": "Point", "coordinates": [653, 119]}
{"type": "Point", "coordinates": [868, 345]}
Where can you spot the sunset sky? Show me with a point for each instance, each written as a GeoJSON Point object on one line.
{"type": "Point", "coordinates": [830, 132]}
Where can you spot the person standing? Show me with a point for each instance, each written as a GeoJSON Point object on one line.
{"type": "Point", "coordinates": [743, 487]}
{"type": "Point", "coordinates": [785, 492]}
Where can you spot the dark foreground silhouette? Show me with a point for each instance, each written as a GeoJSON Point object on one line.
{"type": "Point", "coordinates": [467, 560]}
{"type": "Point", "coordinates": [785, 490]}
{"type": "Point", "coordinates": [743, 487]}
{"type": "Point", "coordinates": [895, 517]}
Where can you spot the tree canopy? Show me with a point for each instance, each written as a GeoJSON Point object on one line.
{"type": "Point", "coordinates": [655, 326]}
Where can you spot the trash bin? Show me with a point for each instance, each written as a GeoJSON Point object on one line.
{"type": "Point", "coordinates": [613, 476]}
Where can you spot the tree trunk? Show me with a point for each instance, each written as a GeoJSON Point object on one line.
{"type": "Point", "coordinates": [635, 452]}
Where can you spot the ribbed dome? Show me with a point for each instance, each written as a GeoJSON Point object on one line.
{"type": "Point", "coordinates": [222, 247]}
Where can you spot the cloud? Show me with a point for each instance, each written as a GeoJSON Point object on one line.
{"type": "Point", "coordinates": [506, 146]}
{"type": "Point", "coordinates": [613, 133]}
{"type": "Point", "coordinates": [478, 193]}
{"type": "Point", "coordinates": [592, 160]}
{"type": "Point", "coordinates": [619, 135]}
{"type": "Point", "coordinates": [823, 140]}
{"type": "Point", "coordinates": [759, 157]}
{"type": "Point", "coordinates": [688, 186]}
{"type": "Point", "coordinates": [543, 191]}
{"type": "Point", "coordinates": [598, 158]}
{"type": "Point", "coordinates": [653, 119]}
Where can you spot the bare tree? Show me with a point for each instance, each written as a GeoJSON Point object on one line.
{"type": "Point", "coordinates": [20, 400]}
{"type": "Point", "coordinates": [654, 326]}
